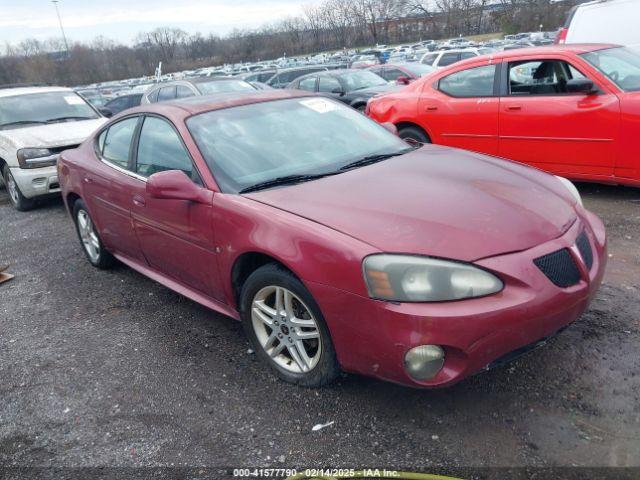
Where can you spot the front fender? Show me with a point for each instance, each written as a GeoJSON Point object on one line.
{"type": "Point", "coordinates": [312, 251]}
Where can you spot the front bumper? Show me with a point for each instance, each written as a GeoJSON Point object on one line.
{"type": "Point", "coordinates": [371, 337]}
{"type": "Point", "coordinates": [34, 182]}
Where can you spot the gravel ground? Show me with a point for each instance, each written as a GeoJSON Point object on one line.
{"type": "Point", "coordinates": [109, 369]}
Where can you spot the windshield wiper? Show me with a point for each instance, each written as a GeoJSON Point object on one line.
{"type": "Point", "coordinates": [286, 180]}
{"type": "Point", "coordinates": [21, 122]}
{"type": "Point", "coordinates": [62, 119]}
{"type": "Point", "coordinates": [369, 159]}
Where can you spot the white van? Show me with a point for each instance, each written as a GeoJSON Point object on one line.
{"type": "Point", "coordinates": [603, 21]}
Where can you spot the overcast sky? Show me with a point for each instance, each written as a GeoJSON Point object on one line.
{"type": "Point", "coordinates": [122, 19]}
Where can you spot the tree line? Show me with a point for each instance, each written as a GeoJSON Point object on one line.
{"type": "Point", "coordinates": [325, 26]}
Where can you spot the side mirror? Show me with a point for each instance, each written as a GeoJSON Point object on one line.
{"type": "Point", "coordinates": [175, 185]}
{"type": "Point", "coordinates": [581, 85]}
{"type": "Point", "coordinates": [337, 91]}
{"type": "Point", "coordinates": [402, 80]}
{"type": "Point", "coordinates": [390, 127]}
{"type": "Point", "coordinates": [106, 112]}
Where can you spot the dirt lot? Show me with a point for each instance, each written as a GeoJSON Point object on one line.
{"type": "Point", "coordinates": [109, 369]}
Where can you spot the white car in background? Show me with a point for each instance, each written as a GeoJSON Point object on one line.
{"type": "Point", "coordinates": [36, 124]}
{"type": "Point", "coordinates": [443, 58]}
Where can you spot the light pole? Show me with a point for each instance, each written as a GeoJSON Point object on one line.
{"type": "Point", "coordinates": [64, 37]}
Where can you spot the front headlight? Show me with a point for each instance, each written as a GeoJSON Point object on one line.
{"type": "Point", "coordinates": [408, 278]}
{"type": "Point", "coordinates": [36, 157]}
{"type": "Point", "coordinates": [572, 189]}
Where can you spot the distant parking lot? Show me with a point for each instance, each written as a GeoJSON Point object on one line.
{"type": "Point", "coordinates": [111, 369]}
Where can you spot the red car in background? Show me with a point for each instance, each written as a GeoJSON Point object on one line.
{"type": "Point", "coordinates": [573, 110]}
{"type": "Point", "coordinates": [341, 249]}
{"type": "Point", "coordinates": [402, 72]}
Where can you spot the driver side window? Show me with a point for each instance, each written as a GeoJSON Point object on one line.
{"type": "Point", "coordinates": [160, 148]}
{"type": "Point", "coordinates": [541, 77]}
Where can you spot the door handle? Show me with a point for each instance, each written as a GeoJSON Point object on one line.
{"type": "Point", "coordinates": [514, 107]}
{"type": "Point", "coordinates": [432, 108]}
{"type": "Point", "coordinates": [138, 200]}
{"type": "Point", "coordinates": [88, 180]}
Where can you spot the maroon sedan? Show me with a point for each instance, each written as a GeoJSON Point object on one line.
{"type": "Point", "coordinates": [335, 243]}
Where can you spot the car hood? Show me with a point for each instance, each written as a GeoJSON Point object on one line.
{"type": "Point", "coordinates": [436, 201]}
{"type": "Point", "coordinates": [52, 135]}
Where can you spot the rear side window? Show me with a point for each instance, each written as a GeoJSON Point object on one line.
{"type": "Point", "coordinates": [308, 84]}
{"type": "Point", "coordinates": [166, 93]}
{"type": "Point", "coordinates": [160, 148]}
{"type": "Point", "coordinates": [153, 96]}
{"type": "Point", "coordinates": [115, 142]}
{"type": "Point", "coordinates": [448, 59]}
{"type": "Point", "coordinates": [392, 74]}
{"type": "Point", "coordinates": [465, 55]}
{"type": "Point", "coordinates": [329, 85]}
{"type": "Point", "coordinates": [429, 59]}
{"type": "Point", "coordinates": [182, 91]}
{"type": "Point", "coordinates": [473, 82]}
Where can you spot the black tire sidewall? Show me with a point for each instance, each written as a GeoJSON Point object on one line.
{"type": "Point", "coordinates": [327, 368]}
{"type": "Point", "coordinates": [105, 259]}
{"type": "Point", "coordinates": [414, 134]}
{"type": "Point", "coordinates": [24, 203]}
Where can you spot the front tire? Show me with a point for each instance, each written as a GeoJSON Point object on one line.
{"type": "Point", "coordinates": [414, 136]}
{"type": "Point", "coordinates": [92, 246]}
{"type": "Point", "coordinates": [18, 200]}
{"type": "Point", "coordinates": [286, 328]}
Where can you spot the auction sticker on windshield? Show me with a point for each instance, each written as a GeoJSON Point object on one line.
{"type": "Point", "coordinates": [319, 105]}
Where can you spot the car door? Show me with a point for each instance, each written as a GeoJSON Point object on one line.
{"type": "Point", "coordinates": [109, 187]}
{"type": "Point", "coordinates": [543, 124]}
{"type": "Point", "coordinates": [176, 236]}
{"type": "Point", "coordinates": [460, 109]}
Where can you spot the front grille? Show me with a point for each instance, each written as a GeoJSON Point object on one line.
{"type": "Point", "coordinates": [584, 247]}
{"type": "Point", "coordinates": [559, 267]}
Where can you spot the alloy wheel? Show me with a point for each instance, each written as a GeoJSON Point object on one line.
{"type": "Point", "coordinates": [12, 188]}
{"type": "Point", "coordinates": [88, 236]}
{"type": "Point", "coordinates": [286, 329]}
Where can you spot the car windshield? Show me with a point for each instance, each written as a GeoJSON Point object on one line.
{"type": "Point", "coordinates": [357, 80]}
{"type": "Point", "coordinates": [19, 111]}
{"type": "Point", "coordinates": [219, 86]}
{"type": "Point", "coordinates": [620, 64]}
{"type": "Point", "coordinates": [252, 144]}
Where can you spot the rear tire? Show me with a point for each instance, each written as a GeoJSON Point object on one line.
{"type": "Point", "coordinates": [286, 328]}
{"type": "Point", "coordinates": [18, 200]}
{"type": "Point", "coordinates": [92, 246]}
{"type": "Point", "coordinates": [414, 135]}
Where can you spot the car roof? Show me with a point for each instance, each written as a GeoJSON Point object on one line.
{"type": "Point", "coordinates": [187, 107]}
{"type": "Point", "coordinates": [576, 48]}
{"type": "Point", "coordinates": [14, 91]}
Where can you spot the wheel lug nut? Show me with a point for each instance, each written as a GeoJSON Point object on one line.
{"type": "Point", "coordinates": [279, 335]}
{"type": "Point", "coordinates": [290, 340]}
{"type": "Point", "coordinates": [276, 322]}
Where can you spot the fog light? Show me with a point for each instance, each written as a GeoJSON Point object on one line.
{"type": "Point", "coordinates": [424, 362]}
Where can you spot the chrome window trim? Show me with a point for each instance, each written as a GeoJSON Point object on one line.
{"type": "Point", "coordinates": [118, 168]}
